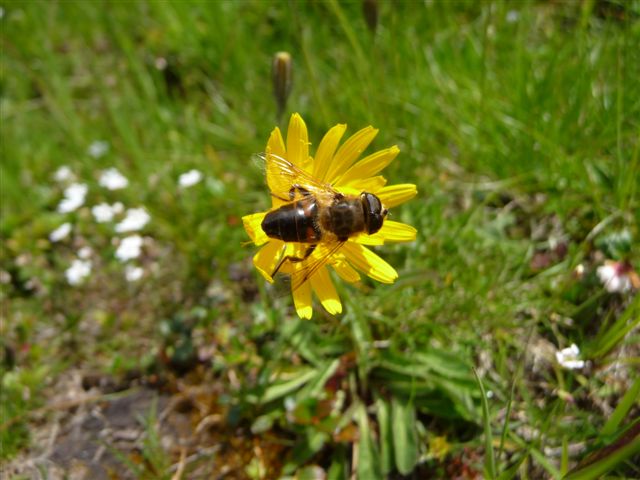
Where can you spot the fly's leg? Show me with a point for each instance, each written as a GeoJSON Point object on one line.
{"type": "Point", "coordinates": [279, 197]}
{"type": "Point", "coordinates": [291, 258]}
{"type": "Point", "coordinates": [300, 189]}
{"type": "Point", "coordinates": [292, 193]}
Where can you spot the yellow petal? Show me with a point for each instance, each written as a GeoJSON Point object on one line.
{"type": "Point", "coordinates": [252, 225]}
{"type": "Point", "coordinates": [371, 184]}
{"type": "Point", "coordinates": [396, 194]}
{"type": "Point", "coordinates": [390, 232]}
{"type": "Point", "coordinates": [349, 152]}
{"type": "Point", "coordinates": [278, 187]}
{"type": "Point", "coordinates": [370, 165]}
{"type": "Point", "coordinates": [366, 239]}
{"type": "Point", "coordinates": [346, 272]}
{"type": "Point", "coordinates": [302, 300]}
{"type": "Point", "coordinates": [267, 258]}
{"type": "Point", "coordinates": [275, 144]}
{"type": "Point", "coordinates": [297, 141]}
{"type": "Point", "coordinates": [294, 250]}
{"type": "Point", "coordinates": [326, 292]}
{"type": "Point", "coordinates": [326, 149]}
{"type": "Point", "coordinates": [368, 262]}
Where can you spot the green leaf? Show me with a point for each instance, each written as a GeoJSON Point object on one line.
{"type": "Point", "coordinates": [339, 465]}
{"type": "Point", "coordinates": [284, 388]}
{"type": "Point", "coordinates": [616, 332]}
{"type": "Point", "coordinates": [306, 446]}
{"type": "Point", "coordinates": [264, 422]}
{"type": "Point", "coordinates": [616, 245]}
{"type": "Point", "coordinates": [383, 410]}
{"type": "Point", "coordinates": [405, 437]}
{"type": "Point", "coordinates": [368, 463]}
{"type": "Point", "coordinates": [447, 364]}
{"type": "Point", "coordinates": [311, 472]}
{"type": "Point", "coordinates": [314, 387]}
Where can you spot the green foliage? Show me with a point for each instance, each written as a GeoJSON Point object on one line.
{"type": "Point", "coordinates": [519, 124]}
{"type": "Point", "coordinates": [18, 396]}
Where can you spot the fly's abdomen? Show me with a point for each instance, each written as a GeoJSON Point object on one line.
{"type": "Point", "coordinates": [294, 222]}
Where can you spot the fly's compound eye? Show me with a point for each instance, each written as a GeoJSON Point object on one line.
{"type": "Point", "coordinates": [374, 212]}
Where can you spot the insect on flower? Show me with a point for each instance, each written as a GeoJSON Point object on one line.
{"type": "Point", "coordinates": [324, 211]}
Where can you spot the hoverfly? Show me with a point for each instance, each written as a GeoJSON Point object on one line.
{"type": "Point", "coordinates": [314, 213]}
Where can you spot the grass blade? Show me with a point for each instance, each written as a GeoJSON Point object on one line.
{"type": "Point", "coordinates": [621, 410]}
{"type": "Point", "coordinates": [489, 460]}
{"type": "Point", "coordinates": [606, 459]}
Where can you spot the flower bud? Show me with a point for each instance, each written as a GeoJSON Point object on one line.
{"type": "Point", "coordinates": [282, 76]}
{"type": "Point", "coordinates": [370, 12]}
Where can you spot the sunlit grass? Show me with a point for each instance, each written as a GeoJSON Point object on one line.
{"type": "Point", "coordinates": [519, 124]}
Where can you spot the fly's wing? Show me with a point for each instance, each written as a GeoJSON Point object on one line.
{"type": "Point", "coordinates": [287, 182]}
{"type": "Point", "coordinates": [320, 257]}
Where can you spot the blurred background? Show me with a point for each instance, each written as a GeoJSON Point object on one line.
{"type": "Point", "coordinates": [139, 342]}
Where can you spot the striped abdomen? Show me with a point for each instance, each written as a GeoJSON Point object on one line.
{"type": "Point", "coordinates": [294, 222]}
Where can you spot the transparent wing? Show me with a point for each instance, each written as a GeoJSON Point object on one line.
{"type": "Point", "coordinates": [320, 257]}
{"type": "Point", "coordinates": [284, 178]}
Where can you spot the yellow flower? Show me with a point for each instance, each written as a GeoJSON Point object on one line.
{"type": "Point", "coordinates": [339, 167]}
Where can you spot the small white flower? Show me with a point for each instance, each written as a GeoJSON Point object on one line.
{"type": "Point", "coordinates": [85, 252]}
{"type": "Point", "coordinates": [569, 358]}
{"type": "Point", "coordinates": [135, 219]}
{"type": "Point", "coordinates": [104, 212]}
{"type": "Point", "coordinates": [112, 179]}
{"type": "Point", "coordinates": [512, 16]}
{"type": "Point", "coordinates": [189, 178]}
{"type": "Point", "coordinates": [98, 148]}
{"type": "Point", "coordinates": [63, 174]}
{"type": "Point", "coordinates": [161, 63]}
{"type": "Point", "coordinates": [129, 248]}
{"type": "Point", "coordinates": [615, 276]}
{"type": "Point", "coordinates": [290, 404]}
{"type": "Point", "coordinates": [74, 196]}
{"type": "Point", "coordinates": [133, 273]}
{"type": "Point", "coordinates": [78, 271]}
{"type": "Point", "coordinates": [60, 233]}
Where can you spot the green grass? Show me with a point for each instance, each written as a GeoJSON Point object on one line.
{"type": "Point", "coordinates": [518, 122]}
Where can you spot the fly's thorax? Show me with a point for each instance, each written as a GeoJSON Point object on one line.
{"type": "Point", "coordinates": [343, 218]}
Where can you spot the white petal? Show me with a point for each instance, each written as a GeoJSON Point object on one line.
{"type": "Point", "coordinates": [112, 179]}
{"type": "Point", "coordinates": [189, 178]}
{"type": "Point", "coordinates": [135, 219]}
{"type": "Point", "coordinates": [568, 358]}
{"type": "Point", "coordinates": [129, 248]}
{"type": "Point", "coordinates": [63, 174]}
{"type": "Point", "coordinates": [103, 212]}
{"type": "Point", "coordinates": [606, 273]}
{"type": "Point", "coordinates": [60, 233]}
{"type": "Point", "coordinates": [74, 196]}
{"type": "Point", "coordinates": [98, 148]}
{"type": "Point", "coordinates": [133, 273]}
{"type": "Point", "coordinates": [78, 271]}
